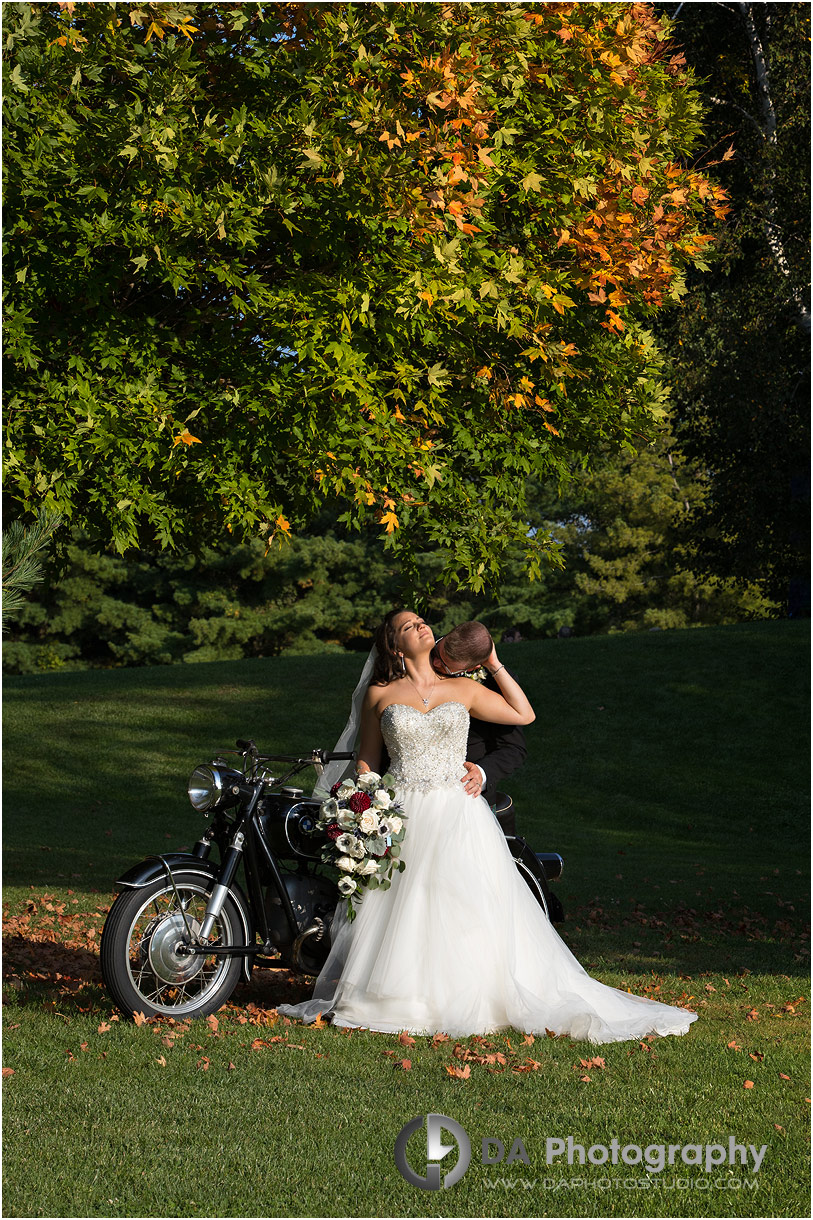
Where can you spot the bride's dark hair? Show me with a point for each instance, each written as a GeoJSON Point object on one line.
{"type": "Point", "coordinates": [388, 664]}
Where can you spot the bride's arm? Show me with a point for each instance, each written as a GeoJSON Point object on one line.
{"type": "Point", "coordinates": [511, 706]}
{"type": "Point", "coordinates": [371, 743]}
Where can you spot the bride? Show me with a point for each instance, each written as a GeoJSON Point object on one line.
{"type": "Point", "coordinates": [457, 944]}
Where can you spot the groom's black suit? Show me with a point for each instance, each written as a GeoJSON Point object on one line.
{"type": "Point", "coordinates": [498, 748]}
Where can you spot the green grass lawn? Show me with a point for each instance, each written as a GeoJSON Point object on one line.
{"type": "Point", "coordinates": [669, 769]}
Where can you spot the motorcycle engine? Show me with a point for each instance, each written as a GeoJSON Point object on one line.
{"type": "Point", "coordinates": [314, 901]}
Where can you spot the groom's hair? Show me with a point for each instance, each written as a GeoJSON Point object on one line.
{"type": "Point", "coordinates": [469, 642]}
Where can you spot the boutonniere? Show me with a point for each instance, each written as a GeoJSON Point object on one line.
{"type": "Point", "coordinates": [478, 675]}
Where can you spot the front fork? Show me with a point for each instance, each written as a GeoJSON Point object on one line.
{"type": "Point", "coordinates": [221, 888]}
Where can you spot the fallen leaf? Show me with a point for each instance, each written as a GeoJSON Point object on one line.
{"type": "Point", "coordinates": [212, 1022]}
{"type": "Point", "coordinates": [438, 1038]}
{"type": "Point", "coordinates": [734, 1047]}
{"type": "Point", "coordinates": [528, 1040]}
{"type": "Point", "coordinates": [139, 1019]}
{"type": "Point", "coordinates": [161, 1061]}
{"type": "Point", "coordinates": [585, 1078]}
{"type": "Point", "coordinates": [230, 1068]}
{"type": "Point", "coordinates": [203, 1064]}
{"type": "Point", "coordinates": [782, 1076]}
{"type": "Point", "coordinates": [8, 1071]}
{"type": "Point", "coordinates": [778, 1128]}
{"type": "Point", "coordinates": [461, 1073]}
{"type": "Point", "coordinates": [103, 1028]}
{"type": "Point", "coordinates": [748, 1084]}
{"type": "Point", "coordinates": [404, 1064]}
{"type": "Point", "coordinates": [405, 1039]}
{"type": "Point", "coordinates": [757, 1055]}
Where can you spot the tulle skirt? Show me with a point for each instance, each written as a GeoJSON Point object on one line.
{"type": "Point", "coordinates": [459, 945]}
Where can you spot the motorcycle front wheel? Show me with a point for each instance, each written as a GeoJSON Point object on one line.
{"type": "Point", "coordinates": [142, 959]}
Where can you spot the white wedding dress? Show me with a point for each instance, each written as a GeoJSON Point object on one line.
{"type": "Point", "coordinates": [458, 944]}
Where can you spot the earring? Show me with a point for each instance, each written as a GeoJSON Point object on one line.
{"type": "Point", "coordinates": [403, 664]}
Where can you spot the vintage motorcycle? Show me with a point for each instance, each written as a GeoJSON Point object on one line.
{"type": "Point", "coordinates": [183, 932]}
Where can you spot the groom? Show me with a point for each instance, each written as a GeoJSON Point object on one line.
{"type": "Point", "coordinates": [494, 751]}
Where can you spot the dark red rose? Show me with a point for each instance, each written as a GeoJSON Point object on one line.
{"type": "Point", "coordinates": [359, 801]}
{"type": "Point", "coordinates": [336, 787]}
{"type": "Point", "coordinates": [333, 830]}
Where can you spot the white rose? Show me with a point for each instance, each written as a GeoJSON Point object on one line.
{"type": "Point", "coordinates": [369, 781]}
{"type": "Point", "coordinates": [368, 868]}
{"type": "Point", "coordinates": [347, 885]}
{"type": "Point", "coordinates": [382, 799]}
{"type": "Point", "coordinates": [346, 864]}
{"type": "Point", "coordinates": [329, 809]}
{"type": "Point", "coordinates": [347, 789]}
{"type": "Point", "coordinates": [346, 819]}
{"type": "Point", "coordinates": [368, 822]}
{"type": "Point", "coordinates": [393, 824]}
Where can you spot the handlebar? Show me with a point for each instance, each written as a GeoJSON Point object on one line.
{"type": "Point", "coordinates": [316, 755]}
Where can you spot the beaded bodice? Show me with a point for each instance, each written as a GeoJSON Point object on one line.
{"type": "Point", "coordinates": [426, 749]}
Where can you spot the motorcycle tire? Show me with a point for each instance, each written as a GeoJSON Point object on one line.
{"type": "Point", "coordinates": [140, 964]}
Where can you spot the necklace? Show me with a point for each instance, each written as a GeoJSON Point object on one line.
{"type": "Point", "coordinates": [425, 701]}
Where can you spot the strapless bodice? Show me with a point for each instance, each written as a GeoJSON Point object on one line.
{"type": "Point", "coordinates": [426, 749]}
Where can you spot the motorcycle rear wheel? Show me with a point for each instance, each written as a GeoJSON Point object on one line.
{"type": "Point", "coordinates": [141, 965]}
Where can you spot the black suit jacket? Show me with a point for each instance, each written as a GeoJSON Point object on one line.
{"type": "Point", "coordinates": [498, 748]}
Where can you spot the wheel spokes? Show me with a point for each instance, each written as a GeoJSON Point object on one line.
{"type": "Point", "coordinates": [157, 989]}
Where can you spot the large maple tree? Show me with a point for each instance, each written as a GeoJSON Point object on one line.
{"type": "Point", "coordinates": [396, 258]}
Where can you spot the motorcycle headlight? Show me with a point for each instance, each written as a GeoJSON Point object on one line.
{"type": "Point", "coordinates": [205, 788]}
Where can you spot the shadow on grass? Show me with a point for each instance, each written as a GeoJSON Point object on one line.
{"type": "Point", "coordinates": [50, 973]}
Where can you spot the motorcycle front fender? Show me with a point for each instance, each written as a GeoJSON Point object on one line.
{"type": "Point", "coordinates": [152, 869]}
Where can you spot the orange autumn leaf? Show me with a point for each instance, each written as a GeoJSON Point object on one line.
{"type": "Point", "coordinates": [187, 438]}
{"type": "Point", "coordinates": [390, 520]}
{"type": "Point", "coordinates": [405, 1039]}
{"type": "Point", "coordinates": [212, 1022]}
{"type": "Point", "coordinates": [283, 524]}
{"type": "Point", "coordinates": [8, 1071]}
{"type": "Point", "coordinates": [748, 1084]}
{"type": "Point", "coordinates": [404, 1064]}
{"type": "Point", "coordinates": [461, 1073]}
{"type": "Point", "coordinates": [139, 1019]}
{"type": "Point", "coordinates": [103, 1028]}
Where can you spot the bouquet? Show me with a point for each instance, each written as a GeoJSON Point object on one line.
{"type": "Point", "coordinates": [364, 827]}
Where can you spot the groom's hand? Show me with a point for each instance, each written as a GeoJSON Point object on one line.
{"type": "Point", "coordinates": [472, 781]}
